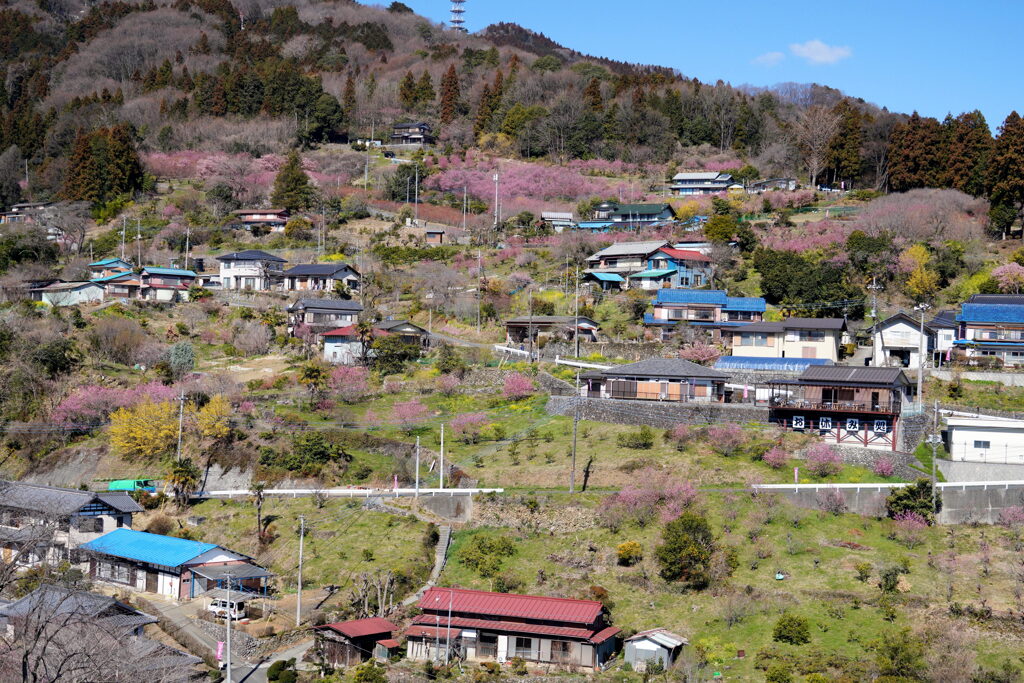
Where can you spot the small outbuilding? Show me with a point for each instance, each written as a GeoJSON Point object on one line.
{"type": "Point", "coordinates": [649, 646]}
{"type": "Point", "coordinates": [347, 643]}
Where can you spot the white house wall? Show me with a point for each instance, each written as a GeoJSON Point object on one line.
{"type": "Point", "coordinates": [987, 443]}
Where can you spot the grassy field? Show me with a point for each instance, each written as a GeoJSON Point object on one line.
{"type": "Point", "coordinates": [977, 394]}
{"type": "Point", "coordinates": [337, 537]}
{"type": "Point", "coordinates": [815, 551]}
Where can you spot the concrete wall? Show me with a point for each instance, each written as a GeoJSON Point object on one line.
{"type": "Point", "coordinates": [1010, 379]}
{"type": "Point", "coordinates": [961, 503]}
{"type": "Point", "coordinates": [657, 414]}
{"type": "Point", "coordinates": [455, 508]}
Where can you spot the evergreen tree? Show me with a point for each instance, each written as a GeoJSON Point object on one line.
{"type": "Point", "coordinates": [592, 95]}
{"type": "Point", "coordinates": [425, 89]}
{"type": "Point", "coordinates": [124, 172]}
{"type": "Point", "coordinates": [1006, 173]}
{"type": "Point", "coordinates": [916, 154]}
{"type": "Point", "coordinates": [970, 146]}
{"type": "Point", "coordinates": [844, 156]}
{"type": "Point", "coordinates": [449, 95]}
{"type": "Point", "coordinates": [325, 119]}
{"type": "Point", "coordinates": [292, 190]}
{"type": "Point", "coordinates": [407, 91]}
{"type": "Point", "coordinates": [484, 112]}
{"type": "Point", "coordinates": [10, 176]}
{"type": "Point", "coordinates": [348, 101]}
{"type": "Point", "coordinates": [685, 553]}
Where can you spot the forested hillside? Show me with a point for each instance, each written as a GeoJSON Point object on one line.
{"type": "Point", "coordinates": [256, 77]}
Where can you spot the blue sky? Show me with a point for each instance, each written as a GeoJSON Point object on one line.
{"type": "Point", "coordinates": [936, 57]}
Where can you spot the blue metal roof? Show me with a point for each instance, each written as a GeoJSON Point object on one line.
{"type": "Point", "coordinates": [745, 303]}
{"type": "Point", "coordinates": [771, 364]}
{"type": "Point", "coordinates": [1009, 344]}
{"type": "Point", "coordinates": [108, 261]}
{"type": "Point", "coordinates": [655, 272]}
{"type": "Point", "coordinates": [168, 271]}
{"type": "Point", "coordinates": [113, 276]}
{"type": "Point", "coordinates": [691, 296]}
{"type": "Point", "coordinates": [153, 548]}
{"type": "Point", "coordinates": [649, 319]}
{"type": "Point", "coordinates": [991, 313]}
{"type": "Point", "coordinates": [608, 277]}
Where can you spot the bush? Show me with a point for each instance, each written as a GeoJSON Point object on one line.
{"type": "Point", "coordinates": [485, 553]}
{"type": "Point", "coordinates": [863, 571]}
{"type": "Point", "coordinates": [832, 500]}
{"type": "Point", "coordinates": [685, 553]}
{"type": "Point", "coordinates": [910, 528]}
{"type": "Point", "coordinates": [517, 386]}
{"type": "Point", "coordinates": [778, 673]}
{"type": "Point", "coordinates": [629, 553]}
{"type": "Point", "coordinates": [726, 438]}
{"type": "Point", "coordinates": [823, 460]}
{"type": "Point", "coordinates": [642, 438]}
{"type": "Point", "coordinates": [916, 497]}
{"type": "Point", "coordinates": [775, 458]}
{"type": "Point", "coordinates": [884, 466]}
{"type": "Point", "coordinates": [791, 629]}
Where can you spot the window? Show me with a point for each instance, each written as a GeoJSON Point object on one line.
{"type": "Point", "coordinates": [560, 650]}
{"type": "Point", "coordinates": [754, 339]}
{"type": "Point", "coordinates": [487, 645]}
{"type": "Point", "coordinates": [983, 444]}
{"type": "Point", "coordinates": [811, 335]}
{"type": "Point", "coordinates": [524, 647]}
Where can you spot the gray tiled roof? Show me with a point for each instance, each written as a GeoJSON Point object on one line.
{"type": "Point", "coordinates": [59, 501]}
{"type": "Point", "coordinates": [664, 367]}
{"type": "Point", "coordinates": [853, 375]}
{"type": "Point", "coordinates": [324, 269]}
{"type": "Point", "coordinates": [629, 248]}
{"type": "Point", "coordinates": [327, 305]}
{"type": "Point", "coordinates": [250, 255]}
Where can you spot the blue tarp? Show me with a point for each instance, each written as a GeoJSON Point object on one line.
{"type": "Point", "coordinates": [608, 277]}
{"type": "Point", "coordinates": [655, 272]}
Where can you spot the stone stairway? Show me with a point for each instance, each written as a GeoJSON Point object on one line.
{"type": "Point", "coordinates": [444, 539]}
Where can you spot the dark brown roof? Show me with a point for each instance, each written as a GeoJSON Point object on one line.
{"type": "Point", "coordinates": [360, 628]}
{"type": "Point", "coordinates": [794, 324]}
{"type": "Point", "coordinates": [846, 374]}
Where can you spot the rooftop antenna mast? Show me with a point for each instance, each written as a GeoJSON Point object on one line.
{"type": "Point", "coordinates": [458, 21]}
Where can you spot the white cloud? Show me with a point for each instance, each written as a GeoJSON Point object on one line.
{"type": "Point", "coordinates": [768, 59]}
{"type": "Point", "coordinates": [817, 52]}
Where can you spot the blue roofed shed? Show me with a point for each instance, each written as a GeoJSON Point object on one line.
{"type": "Point", "coordinates": [177, 567]}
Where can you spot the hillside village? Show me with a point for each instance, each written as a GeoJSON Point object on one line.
{"type": "Point", "coordinates": [568, 368]}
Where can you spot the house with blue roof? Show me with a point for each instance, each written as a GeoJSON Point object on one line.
{"type": "Point", "coordinates": [992, 326]}
{"type": "Point", "coordinates": [108, 266]}
{"type": "Point", "coordinates": [713, 309]}
{"type": "Point", "coordinates": [671, 267]}
{"type": "Point", "coordinates": [176, 567]}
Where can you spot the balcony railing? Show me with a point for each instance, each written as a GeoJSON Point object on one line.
{"type": "Point", "coordinates": [890, 407]}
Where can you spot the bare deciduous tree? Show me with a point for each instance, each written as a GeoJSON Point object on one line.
{"type": "Point", "coordinates": [814, 129]}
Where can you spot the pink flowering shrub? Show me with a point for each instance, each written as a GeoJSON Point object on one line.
{"type": "Point", "coordinates": [832, 500]}
{"type": "Point", "coordinates": [909, 528]}
{"type": "Point", "coordinates": [467, 426]}
{"type": "Point", "coordinates": [682, 435]}
{"type": "Point", "coordinates": [246, 407]}
{"type": "Point", "coordinates": [407, 414]}
{"type": "Point", "coordinates": [517, 386]}
{"type": "Point", "coordinates": [701, 353]}
{"type": "Point", "coordinates": [657, 492]}
{"type": "Point", "coordinates": [87, 407]}
{"type": "Point", "coordinates": [726, 438]}
{"type": "Point", "coordinates": [884, 466]}
{"type": "Point", "coordinates": [349, 383]}
{"type": "Point", "coordinates": [1012, 516]}
{"type": "Point", "coordinates": [775, 458]}
{"type": "Point", "coordinates": [1010, 278]}
{"type": "Point", "coordinates": [448, 385]}
{"type": "Point", "coordinates": [823, 460]}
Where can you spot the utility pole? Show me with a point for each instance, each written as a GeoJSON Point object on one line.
{"type": "Point", "coordinates": [465, 206]}
{"type": "Point", "coordinates": [496, 202]}
{"type": "Point", "coordinates": [529, 328]}
{"type": "Point", "coordinates": [227, 638]}
{"type": "Point", "coordinates": [417, 467]}
{"type": "Point", "coordinates": [416, 196]}
{"type": "Point", "coordinates": [124, 228]}
{"type": "Point", "coordinates": [934, 440]}
{"type": "Point", "coordinates": [921, 345]}
{"type": "Point", "coordinates": [298, 601]}
{"type": "Point", "coordinates": [479, 286]}
{"type": "Point", "coordinates": [575, 427]}
{"type": "Point", "coordinates": [28, 188]}
{"type": "Point", "coordinates": [188, 235]}
{"type": "Point", "coordinates": [138, 238]}
{"type": "Point", "coordinates": [440, 471]}
{"type": "Point", "coordinates": [577, 314]}
{"type": "Point", "coordinates": [181, 420]}
{"type": "Point", "coordinates": [874, 288]}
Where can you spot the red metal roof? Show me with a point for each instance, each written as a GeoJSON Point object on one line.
{"type": "Point", "coordinates": [389, 643]}
{"type": "Point", "coordinates": [358, 628]}
{"type": "Point", "coordinates": [510, 627]}
{"type": "Point", "coordinates": [419, 631]}
{"type": "Point", "coordinates": [685, 254]}
{"type": "Point", "coordinates": [511, 605]}
{"type": "Point", "coordinates": [604, 635]}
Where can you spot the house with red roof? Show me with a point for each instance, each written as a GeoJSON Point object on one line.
{"type": "Point", "coordinates": [481, 626]}
{"type": "Point", "coordinates": [344, 346]}
{"type": "Point", "coordinates": [347, 643]}
{"type": "Point", "coordinates": [671, 267]}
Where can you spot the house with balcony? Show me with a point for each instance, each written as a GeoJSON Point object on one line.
{"type": "Point", "coordinates": [992, 326]}
{"type": "Point", "coordinates": [657, 379]}
{"type": "Point", "coordinates": [108, 266]}
{"type": "Point", "coordinates": [251, 269]}
{"type": "Point", "coordinates": [689, 184]}
{"type": "Point", "coordinates": [621, 260]}
{"type": "Point", "coordinates": [671, 267]}
{"type": "Point", "coordinates": [320, 315]}
{"type": "Point", "coordinates": [859, 406]}
{"type": "Point", "coordinates": [412, 133]}
{"type": "Point", "coordinates": [178, 568]}
{"type": "Point", "coordinates": [44, 524]}
{"type": "Point", "coordinates": [518, 330]}
{"type": "Point", "coordinates": [262, 220]}
{"type": "Point", "coordinates": [711, 309]}
{"type": "Point", "coordinates": [481, 626]}
{"type": "Point", "coordinates": [898, 341]}
{"type": "Point", "coordinates": [791, 338]}
{"type": "Point", "coordinates": [320, 277]}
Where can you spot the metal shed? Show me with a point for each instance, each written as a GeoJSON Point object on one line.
{"type": "Point", "coordinates": [655, 644]}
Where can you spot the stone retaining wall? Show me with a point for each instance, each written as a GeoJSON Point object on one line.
{"type": "Point", "coordinates": [663, 415]}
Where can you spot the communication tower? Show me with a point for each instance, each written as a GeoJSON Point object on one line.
{"type": "Point", "coordinates": [458, 20]}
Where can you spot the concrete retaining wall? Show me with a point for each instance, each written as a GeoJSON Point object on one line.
{"type": "Point", "coordinates": [663, 415]}
{"type": "Point", "coordinates": [1010, 379]}
{"type": "Point", "coordinates": [624, 350]}
{"type": "Point", "coordinates": [961, 503]}
{"type": "Point", "coordinates": [455, 508]}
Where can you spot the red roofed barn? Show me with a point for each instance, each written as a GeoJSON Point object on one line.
{"type": "Point", "coordinates": [485, 626]}
{"type": "Point", "coordinates": [346, 643]}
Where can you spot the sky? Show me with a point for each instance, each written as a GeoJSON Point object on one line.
{"type": "Point", "coordinates": [933, 57]}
